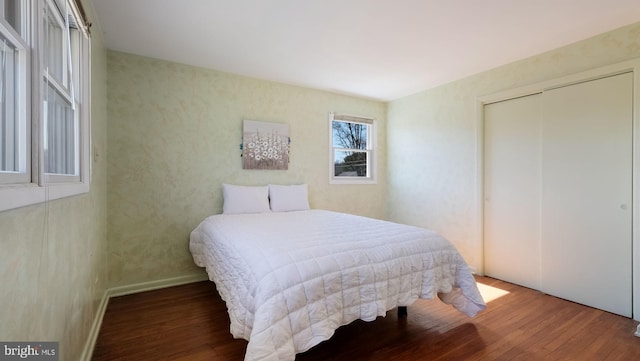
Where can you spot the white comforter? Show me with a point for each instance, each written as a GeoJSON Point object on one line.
{"type": "Point", "coordinates": [291, 279]}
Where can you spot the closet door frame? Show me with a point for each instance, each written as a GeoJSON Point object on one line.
{"type": "Point", "coordinates": [632, 66]}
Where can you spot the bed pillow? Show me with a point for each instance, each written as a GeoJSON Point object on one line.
{"type": "Point", "coordinates": [245, 199]}
{"type": "Point", "coordinates": [288, 198]}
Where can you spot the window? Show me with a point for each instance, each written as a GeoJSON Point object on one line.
{"type": "Point", "coordinates": [44, 87]}
{"type": "Point", "coordinates": [352, 149]}
{"type": "Point", "coordinates": [64, 97]}
{"type": "Point", "coordinates": [14, 126]}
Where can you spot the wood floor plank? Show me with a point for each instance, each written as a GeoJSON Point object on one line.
{"type": "Point", "coordinates": [190, 323]}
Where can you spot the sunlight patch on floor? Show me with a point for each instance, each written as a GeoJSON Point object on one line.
{"type": "Point", "coordinates": [490, 293]}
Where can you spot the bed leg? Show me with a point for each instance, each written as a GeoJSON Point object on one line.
{"type": "Point", "coordinates": [402, 311]}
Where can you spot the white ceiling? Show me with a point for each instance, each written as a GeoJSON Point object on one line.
{"type": "Point", "coordinates": [380, 49]}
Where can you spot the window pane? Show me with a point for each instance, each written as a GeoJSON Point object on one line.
{"type": "Point", "coordinates": [349, 135]}
{"type": "Point", "coordinates": [11, 13]}
{"type": "Point", "coordinates": [76, 48]}
{"type": "Point", "coordinates": [9, 127]}
{"type": "Point", "coordinates": [54, 40]}
{"type": "Point", "coordinates": [350, 164]}
{"type": "Point", "coordinates": [60, 145]}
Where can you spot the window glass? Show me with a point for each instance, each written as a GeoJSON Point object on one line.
{"type": "Point", "coordinates": [55, 57]}
{"type": "Point", "coordinates": [11, 13]}
{"type": "Point", "coordinates": [350, 164]}
{"type": "Point", "coordinates": [60, 128]}
{"type": "Point", "coordinates": [9, 125]}
{"type": "Point", "coordinates": [75, 38]}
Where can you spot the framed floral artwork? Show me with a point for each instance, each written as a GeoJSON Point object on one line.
{"type": "Point", "coordinates": [265, 145]}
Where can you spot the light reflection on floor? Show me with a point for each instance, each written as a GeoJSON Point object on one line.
{"type": "Point", "coordinates": [490, 293]}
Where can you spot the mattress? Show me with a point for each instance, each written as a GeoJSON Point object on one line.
{"type": "Point", "coordinates": [290, 279]}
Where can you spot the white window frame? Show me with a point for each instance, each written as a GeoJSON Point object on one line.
{"type": "Point", "coordinates": [370, 150]}
{"type": "Point", "coordinates": [40, 186]}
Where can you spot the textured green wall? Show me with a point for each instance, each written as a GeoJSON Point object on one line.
{"type": "Point", "coordinates": [53, 268]}
{"type": "Point", "coordinates": [174, 136]}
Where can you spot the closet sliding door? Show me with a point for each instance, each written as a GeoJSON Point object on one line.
{"type": "Point", "coordinates": [558, 192]}
{"type": "Point", "coordinates": [587, 192]}
{"type": "Point", "coordinates": [512, 131]}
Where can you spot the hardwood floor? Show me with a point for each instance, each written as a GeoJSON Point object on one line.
{"type": "Point", "coordinates": [190, 323]}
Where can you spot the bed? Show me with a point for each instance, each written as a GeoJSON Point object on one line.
{"type": "Point", "coordinates": [291, 278]}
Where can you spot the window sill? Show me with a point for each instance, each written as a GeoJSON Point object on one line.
{"type": "Point", "coordinates": [17, 196]}
{"type": "Point", "coordinates": [349, 180]}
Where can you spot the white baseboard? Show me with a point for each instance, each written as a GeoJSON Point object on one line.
{"type": "Point", "coordinates": [90, 344]}
{"type": "Point", "coordinates": [154, 285]}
